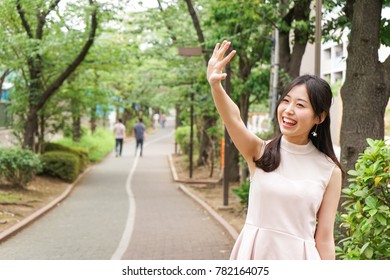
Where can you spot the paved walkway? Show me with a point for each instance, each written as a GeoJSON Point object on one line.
{"type": "Point", "coordinates": [124, 208]}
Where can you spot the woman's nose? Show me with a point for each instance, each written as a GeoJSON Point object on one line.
{"type": "Point", "coordinates": [289, 109]}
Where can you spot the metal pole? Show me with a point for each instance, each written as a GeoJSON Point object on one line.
{"type": "Point", "coordinates": [191, 132]}
{"type": "Point", "coordinates": [318, 35]}
{"type": "Point", "coordinates": [227, 140]}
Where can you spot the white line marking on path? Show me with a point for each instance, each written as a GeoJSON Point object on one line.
{"type": "Point", "coordinates": [128, 232]}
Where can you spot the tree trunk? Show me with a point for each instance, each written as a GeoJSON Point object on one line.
{"type": "Point", "coordinates": [290, 59]}
{"type": "Point", "coordinates": [177, 116]}
{"type": "Point", "coordinates": [76, 135]}
{"type": "Point", "coordinates": [30, 128]}
{"type": "Point", "coordinates": [244, 106]}
{"type": "Point", "coordinates": [208, 121]}
{"type": "Point", "coordinates": [93, 119]}
{"type": "Point", "coordinates": [365, 92]}
{"type": "Point", "coordinates": [41, 131]}
{"type": "Point", "coordinates": [234, 167]}
{"type": "Point", "coordinates": [39, 94]}
{"type": "Point", "coordinates": [205, 143]}
{"type": "Point", "coordinates": [2, 79]}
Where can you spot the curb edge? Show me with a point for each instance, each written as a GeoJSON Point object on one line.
{"type": "Point", "coordinates": [40, 212]}
{"type": "Point", "coordinates": [230, 229]}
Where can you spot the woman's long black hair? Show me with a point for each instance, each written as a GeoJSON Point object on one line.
{"type": "Point", "coordinates": [320, 96]}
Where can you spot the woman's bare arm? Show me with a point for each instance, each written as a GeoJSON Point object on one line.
{"type": "Point", "coordinates": [248, 144]}
{"type": "Point", "coordinates": [326, 217]}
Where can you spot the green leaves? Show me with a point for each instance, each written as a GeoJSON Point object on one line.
{"type": "Point", "coordinates": [18, 167]}
{"type": "Point", "coordinates": [385, 32]}
{"type": "Point", "coordinates": [367, 217]}
{"type": "Point", "coordinates": [243, 193]}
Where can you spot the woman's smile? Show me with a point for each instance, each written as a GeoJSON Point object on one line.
{"type": "Point", "coordinates": [296, 115]}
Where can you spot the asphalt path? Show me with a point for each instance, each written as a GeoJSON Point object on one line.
{"type": "Point", "coordinates": [124, 208]}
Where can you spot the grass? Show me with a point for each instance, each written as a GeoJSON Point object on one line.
{"type": "Point", "coordinates": [9, 197]}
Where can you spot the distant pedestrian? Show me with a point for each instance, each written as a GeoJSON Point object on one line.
{"type": "Point", "coordinates": [120, 134]}
{"type": "Point", "coordinates": [163, 120]}
{"type": "Point", "coordinates": [139, 134]}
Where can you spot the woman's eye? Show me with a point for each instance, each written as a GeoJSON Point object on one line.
{"type": "Point", "coordinates": [300, 105]}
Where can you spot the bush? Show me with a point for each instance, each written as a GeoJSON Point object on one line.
{"type": "Point", "coordinates": [98, 144]}
{"type": "Point", "coordinates": [182, 137]}
{"type": "Point", "coordinates": [63, 165]}
{"type": "Point", "coordinates": [18, 167]}
{"type": "Point", "coordinates": [243, 193]}
{"type": "Point", "coordinates": [81, 153]}
{"type": "Point", "coordinates": [367, 217]}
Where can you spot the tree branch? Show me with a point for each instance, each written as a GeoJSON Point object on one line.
{"type": "Point", "coordinates": [22, 15]}
{"type": "Point", "coordinates": [76, 62]}
{"type": "Point", "coordinates": [41, 16]}
{"type": "Point", "coordinates": [199, 32]}
{"type": "Point", "coordinates": [2, 78]}
{"type": "Point", "coordinates": [22, 69]}
{"type": "Point", "coordinates": [168, 26]}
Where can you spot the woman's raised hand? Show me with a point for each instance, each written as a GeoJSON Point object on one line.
{"type": "Point", "coordinates": [217, 62]}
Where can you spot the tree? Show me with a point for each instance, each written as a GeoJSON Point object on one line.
{"type": "Point", "coordinates": [39, 49]}
{"type": "Point", "coordinates": [295, 18]}
{"type": "Point", "coordinates": [208, 120]}
{"type": "Point", "coordinates": [366, 90]}
{"type": "Point", "coordinates": [242, 23]}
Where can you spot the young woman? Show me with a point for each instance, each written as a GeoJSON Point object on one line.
{"type": "Point", "coordinates": [295, 178]}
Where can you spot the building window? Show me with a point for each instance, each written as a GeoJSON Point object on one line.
{"type": "Point", "coordinates": [338, 76]}
{"type": "Point", "coordinates": [338, 51]}
{"type": "Point", "coordinates": [327, 77]}
{"type": "Point", "coordinates": [327, 54]}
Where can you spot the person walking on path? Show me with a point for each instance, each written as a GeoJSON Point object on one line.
{"type": "Point", "coordinates": [295, 178]}
{"type": "Point", "coordinates": [163, 120]}
{"type": "Point", "coordinates": [139, 134]}
{"type": "Point", "coordinates": [120, 134]}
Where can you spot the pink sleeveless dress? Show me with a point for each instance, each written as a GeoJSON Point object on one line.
{"type": "Point", "coordinates": [283, 206]}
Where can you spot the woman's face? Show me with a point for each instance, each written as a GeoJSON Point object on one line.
{"type": "Point", "coordinates": [296, 115]}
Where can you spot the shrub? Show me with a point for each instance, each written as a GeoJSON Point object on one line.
{"type": "Point", "coordinates": [367, 217]}
{"type": "Point", "coordinates": [81, 153]}
{"type": "Point", "coordinates": [98, 144]}
{"type": "Point", "coordinates": [18, 167]}
{"type": "Point", "coordinates": [182, 137]}
{"type": "Point", "coordinates": [63, 165]}
{"type": "Point", "coordinates": [243, 193]}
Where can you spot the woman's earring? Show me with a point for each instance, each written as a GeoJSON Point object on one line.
{"type": "Point", "coordinates": [314, 133]}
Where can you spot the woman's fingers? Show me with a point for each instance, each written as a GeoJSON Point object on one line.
{"type": "Point", "coordinates": [216, 48]}
{"type": "Point", "coordinates": [216, 77]}
{"type": "Point", "coordinates": [219, 61]}
{"type": "Point", "coordinates": [228, 57]}
{"type": "Point", "coordinates": [222, 50]}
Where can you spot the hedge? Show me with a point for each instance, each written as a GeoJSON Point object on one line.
{"type": "Point", "coordinates": [59, 164]}
{"type": "Point", "coordinates": [81, 153]}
